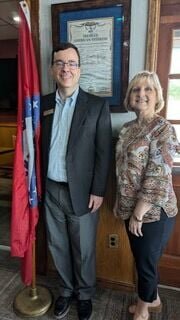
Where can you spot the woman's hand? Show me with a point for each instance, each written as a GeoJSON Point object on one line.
{"type": "Point", "coordinates": [135, 226]}
{"type": "Point", "coordinates": [136, 220]}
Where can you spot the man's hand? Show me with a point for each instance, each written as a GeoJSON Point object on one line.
{"type": "Point", "coordinates": [95, 202]}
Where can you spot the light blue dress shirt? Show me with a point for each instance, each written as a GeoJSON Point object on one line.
{"type": "Point", "coordinates": [60, 133]}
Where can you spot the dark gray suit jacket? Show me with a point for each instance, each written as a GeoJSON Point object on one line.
{"type": "Point", "coordinates": [89, 147]}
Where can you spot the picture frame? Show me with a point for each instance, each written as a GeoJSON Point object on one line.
{"type": "Point", "coordinates": [100, 30]}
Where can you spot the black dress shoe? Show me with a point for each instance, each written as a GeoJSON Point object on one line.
{"type": "Point", "coordinates": [62, 306]}
{"type": "Point", "coordinates": [84, 309]}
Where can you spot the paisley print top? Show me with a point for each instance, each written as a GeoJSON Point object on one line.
{"type": "Point", "coordinates": [144, 160]}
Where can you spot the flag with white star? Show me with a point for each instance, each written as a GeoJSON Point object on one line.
{"type": "Point", "coordinates": [26, 174]}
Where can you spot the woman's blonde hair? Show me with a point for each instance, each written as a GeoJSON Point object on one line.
{"type": "Point", "coordinates": [154, 80]}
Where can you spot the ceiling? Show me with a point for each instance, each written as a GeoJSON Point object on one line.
{"type": "Point", "coordinates": [8, 28]}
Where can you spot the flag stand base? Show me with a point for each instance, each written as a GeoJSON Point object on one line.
{"type": "Point", "coordinates": [32, 302]}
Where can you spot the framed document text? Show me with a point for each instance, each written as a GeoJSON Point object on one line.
{"type": "Point", "coordinates": [100, 30]}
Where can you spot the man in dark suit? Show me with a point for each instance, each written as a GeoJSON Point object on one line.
{"type": "Point", "coordinates": [76, 152]}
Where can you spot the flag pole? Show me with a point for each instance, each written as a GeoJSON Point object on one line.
{"type": "Point", "coordinates": [33, 301]}
{"type": "Point", "coordinates": [34, 265]}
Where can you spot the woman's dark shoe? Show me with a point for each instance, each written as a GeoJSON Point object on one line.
{"type": "Point", "coordinates": [84, 308]}
{"type": "Point", "coordinates": [62, 306]}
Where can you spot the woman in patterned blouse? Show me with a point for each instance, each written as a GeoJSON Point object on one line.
{"type": "Point", "coordinates": [145, 198]}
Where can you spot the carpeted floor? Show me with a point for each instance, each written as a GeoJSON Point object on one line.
{"type": "Point", "coordinates": [107, 304]}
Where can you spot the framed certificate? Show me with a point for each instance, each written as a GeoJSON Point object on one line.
{"type": "Point", "coordinates": [101, 33]}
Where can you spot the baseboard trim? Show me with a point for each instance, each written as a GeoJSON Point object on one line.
{"type": "Point", "coordinates": [168, 287]}
{"type": "Point", "coordinates": [104, 283]}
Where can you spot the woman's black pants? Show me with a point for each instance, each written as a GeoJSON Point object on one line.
{"type": "Point", "coordinates": [147, 251]}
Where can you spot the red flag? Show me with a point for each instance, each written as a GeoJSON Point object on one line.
{"type": "Point", "coordinates": [26, 175]}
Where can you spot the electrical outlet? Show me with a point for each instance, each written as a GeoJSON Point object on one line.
{"type": "Point", "coordinates": [113, 240]}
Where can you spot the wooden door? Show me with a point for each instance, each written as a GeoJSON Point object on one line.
{"type": "Point", "coordinates": [170, 20]}
{"type": "Point", "coordinates": [170, 262]}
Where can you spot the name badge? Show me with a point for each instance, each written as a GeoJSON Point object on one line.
{"type": "Point", "coordinates": [48, 112]}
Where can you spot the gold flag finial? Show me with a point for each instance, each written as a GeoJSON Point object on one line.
{"type": "Point", "coordinates": [28, 2]}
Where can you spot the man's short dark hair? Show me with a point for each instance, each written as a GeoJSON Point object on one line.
{"type": "Point", "coordinates": [63, 46]}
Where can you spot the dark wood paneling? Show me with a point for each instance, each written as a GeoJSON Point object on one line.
{"type": "Point", "coordinates": [34, 10]}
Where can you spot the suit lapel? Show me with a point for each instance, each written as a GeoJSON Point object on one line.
{"type": "Point", "coordinates": [48, 114]}
{"type": "Point", "coordinates": [79, 117]}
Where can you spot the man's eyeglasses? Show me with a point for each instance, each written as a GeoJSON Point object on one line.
{"type": "Point", "coordinates": [70, 64]}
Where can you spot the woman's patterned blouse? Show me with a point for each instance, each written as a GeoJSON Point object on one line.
{"type": "Point", "coordinates": [144, 160]}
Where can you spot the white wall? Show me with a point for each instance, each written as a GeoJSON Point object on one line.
{"type": "Point", "coordinates": [139, 14]}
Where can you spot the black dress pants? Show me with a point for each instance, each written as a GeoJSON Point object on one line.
{"type": "Point", "coordinates": [147, 251]}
